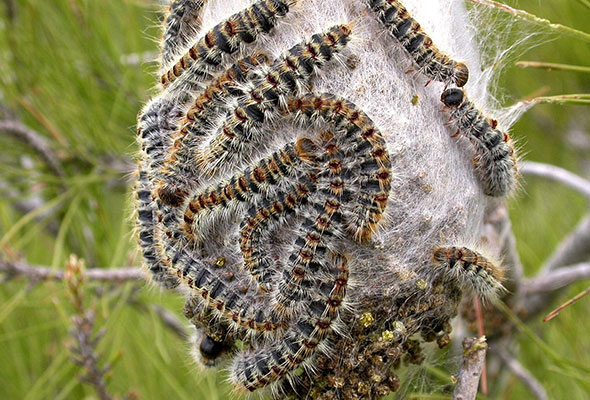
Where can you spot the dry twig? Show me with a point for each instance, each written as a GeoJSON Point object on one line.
{"type": "Point", "coordinates": [84, 351]}
{"type": "Point", "coordinates": [474, 355]}
{"type": "Point", "coordinates": [557, 279]}
{"type": "Point", "coordinates": [523, 374]}
{"type": "Point", "coordinates": [567, 265]}
{"type": "Point", "coordinates": [35, 141]}
{"type": "Point", "coordinates": [558, 174]}
{"type": "Point", "coordinates": [13, 269]}
{"type": "Point", "coordinates": [575, 248]}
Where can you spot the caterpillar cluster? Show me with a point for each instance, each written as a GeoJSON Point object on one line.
{"type": "Point", "coordinates": [210, 202]}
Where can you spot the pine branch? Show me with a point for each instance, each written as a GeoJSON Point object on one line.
{"type": "Point", "coordinates": [474, 355]}
{"type": "Point", "coordinates": [33, 139]}
{"type": "Point", "coordinates": [558, 174]}
{"type": "Point", "coordinates": [13, 269]}
{"type": "Point", "coordinates": [522, 373]}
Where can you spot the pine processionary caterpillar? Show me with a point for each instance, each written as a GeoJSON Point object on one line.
{"type": "Point", "coordinates": [262, 220]}
{"type": "Point", "coordinates": [156, 120]}
{"type": "Point", "coordinates": [179, 170]}
{"type": "Point", "coordinates": [473, 271]}
{"type": "Point", "coordinates": [363, 144]}
{"type": "Point", "coordinates": [220, 293]}
{"type": "Point", "coordinates": [181, 23]}
{"type": "Point", "coordinates": [431, 61]}
{"type": "Point", "coordinates": [226, 38]}
{"type": "Point", "coordinates": [268, 94]}
{"type": "Point", "coordinates": [255, 369]}
{"type": "Point", "coordinates": [254, 182]}
{"type": "Point", "coordinates": [495, 160]}
{"type": "Point", "coordinates": [201, 276]}
{"type": "Point", "coordinates": [146, 226]}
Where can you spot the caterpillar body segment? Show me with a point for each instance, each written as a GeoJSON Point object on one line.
{"type": "Point", "coordinates": [309, 258]}
{"type": "Point", "coordinates": [267, 96]}
{"type": "Point", "coordinates": [364, 150]}
{"type": "Point", "coordinates": [433, 63]}
{"type": "Point", "coordinates": [260, 221]}
{"type": "Point", "coordinates": [155, 123]}
{"type": "Point", "coordinates": [179, 171]}
{"type": "Point", "coordinates": [146, 231]}
{"type": "Point", "coordinates": [495, 160]}
{"type": "Point", "coordinates": [220, 293]}
{"type": "Point", "coordinates": [255, 182]}
{"type": "Point", "coordinates": [181, 23]}
{"type": "Point", "coordinates": [257, 368]}
{"type": "Point", "coordinates": [473, 271]}
{"type": "Point", "coordinates": [226, 38]}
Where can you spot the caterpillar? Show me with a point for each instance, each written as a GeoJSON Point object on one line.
{"type": "Point", "coordinates": [244, 27]}
{"type": "Point", "coordinates": [473, 271]}
{"type": "Point", "coordinates": [495, 160]}
{"type": "Point", "coordinates": [155, 122]}
{"type": "Point", "coordinates": [265, 96]}
{"type": "Point", "coordinates": [178, 173]}
{"type": "Point", "coordinates": [181, 23]}
{"type": "Point", "coordinates": [364, 146]}
{"type": "Point", "coordinates": [252, 370]}
{"type": "Point", "coordinates": [431, 62]}
{"type": "Point", "coordinates": [253, 183]}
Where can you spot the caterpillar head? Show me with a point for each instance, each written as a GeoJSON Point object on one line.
{"type": "Point", "coordinates": [462, 74]}
{"type": "Point", "coordinates": [452, 97]}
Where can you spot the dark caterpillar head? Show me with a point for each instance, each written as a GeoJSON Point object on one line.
{"type": "Point", "coordinates": [462, 74]}
{"type": "Point", "coordinates": [210, 349]}
{"type": "Point", "coordinates": [452, 97]}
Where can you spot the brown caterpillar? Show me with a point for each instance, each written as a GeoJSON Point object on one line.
{"type": "Point", "coordinates": [255, 369]}
{"type": "Point", "coordinates": [430, 60]}
{"type": "Point", "coordinates": [178, 173]}
{"type": "Point", "coordinates": [217, 289]}
{"type": "Point", "coordinates": [254, 182]}
{"type": "Point", "coordinates": [154, 125]}
{"type": "Point", "coordinates": [473, 271]}
{"type": "Point", "coordinates": [364, 142]}
{"type": "Point", "coordinates": [265, 97]}
{"type": "Point", "coordinates": [182, 22]}
{"type": "Point", "coordinates": [495, 160]}
{"type": "Point", "coordinates": [226, 38]}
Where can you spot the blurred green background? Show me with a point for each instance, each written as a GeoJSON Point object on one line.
{"type": "Point", "coordinates": [73, 70]}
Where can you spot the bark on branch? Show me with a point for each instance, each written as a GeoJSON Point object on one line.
{"type": "Point", "coordinates": [14, 269]}
{"type": "Point", "coordinates": [558, 174]}
{"type": "Point", "coordinates": [523, 374]}
{"type": "Point", "coordinates": [35, 141]}
{"type": "Point", "coordinates": [474, 355]}
{"type": "Point", "coordinates": [558, 279]}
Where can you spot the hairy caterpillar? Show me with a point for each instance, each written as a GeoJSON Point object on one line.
{"type": "Point", "coordinates": [180, 24]}
{"type": "Point", "coordinates": [178, 173]}
{"type": "Point", "coordinates": [255, 369]}
{"type": "Point", "coordinates": [226, 38]}
{"type": "Point", "coordinates": [269, 93]}
{"type": "Point", "coordinates": [430, 60]}
{"type": "Point", "coordinates": [495, 159]}
{"type": "Point", "coordinates": [473, 271]}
